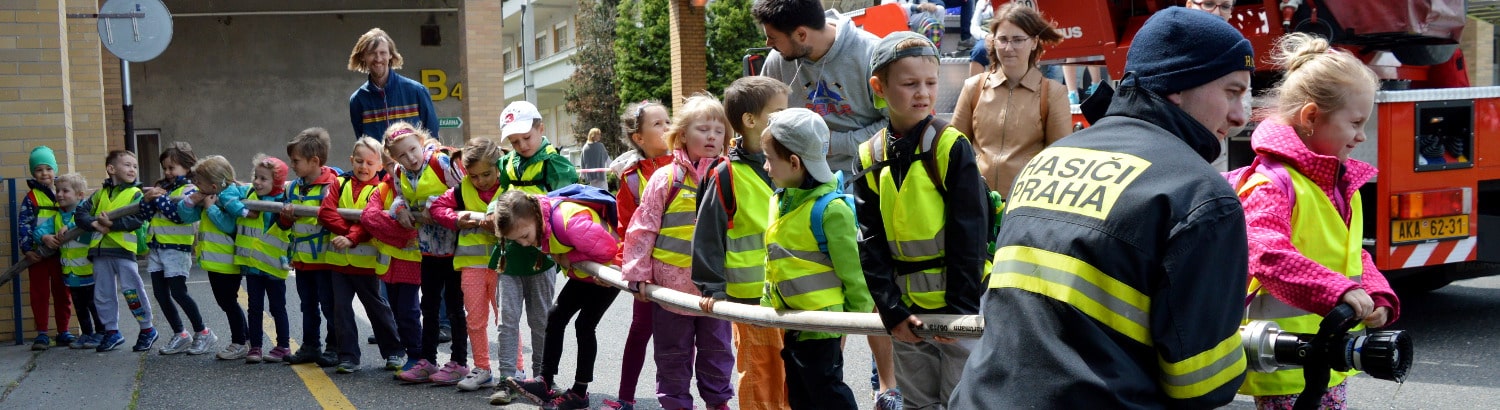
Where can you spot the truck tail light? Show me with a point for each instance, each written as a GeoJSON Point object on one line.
{"type": "Point", "coordinates": [1428, 204]}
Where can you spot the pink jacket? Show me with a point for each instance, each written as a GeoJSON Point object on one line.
{"type": "Point", "coordinates": [1281, 269]}
{"type": "Point", "coordinates": [640, 237]}
{"type": "Point", "coordinates": [591, 241]}
{"type": "Point", "coordinates": [443, 210]}
{"type": "Point", "coordinates": [383, 227]}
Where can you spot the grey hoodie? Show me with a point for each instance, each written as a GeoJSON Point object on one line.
{"type": "Point", "coordinates": [838, 87]}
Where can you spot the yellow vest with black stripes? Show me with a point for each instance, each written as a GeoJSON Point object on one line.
{"type": "Point", "coordinates": [674, 242]}
{"type": "Point", "coordinates": [1322, 237]}
{"type": "Point", "coordinates": [104, 202]}
{"type": "Point", "coordinates": [530, 180]}
{"type": "Point", "coordinates": [166, 232]}
{"type": "Point", "coordinates": [260, 247]}
{"type": "Point", "coordinates": [46, 208]}
{"type": "Point", "coordinates": [474, 244]}
{"type": "Point", "coordinates": [745, 257]}
{"type": "Point", "coordinates": [798, 275]}
{"type": "Point", "coordinates": [914, 216]}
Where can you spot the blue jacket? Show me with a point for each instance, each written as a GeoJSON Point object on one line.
{"type": "Point", "coordinates": [372, 109]}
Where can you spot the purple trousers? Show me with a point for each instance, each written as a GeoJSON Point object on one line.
{"type": "Point", "coordinates": [678, 339]}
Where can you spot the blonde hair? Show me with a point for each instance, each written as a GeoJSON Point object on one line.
{"type": "Point", "coordinates": [1315, 74]}
{"type": "Point", "coordinates": [480, 150]}
{"type": "Point", "coordinates": [371, 39]}
{"type": "Point", "coordinates": [73, 180]}
{"type": "Point", "coordinates": [699, 107]}
{"type": "Point", "coordinates": [594, 134]}
{"type": "Point", "coordinates": [400, 130]}
{"type": "Point", "coordinates": [214, 169]}
{"type": "Point", "coordinates": [369, 144]}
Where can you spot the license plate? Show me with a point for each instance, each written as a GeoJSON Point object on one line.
{"type": "Point", "coordinates": [1443, 227]}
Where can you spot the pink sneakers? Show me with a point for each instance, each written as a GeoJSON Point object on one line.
{"type": "Point", "coordinates": [421, 373]}
{"type": "Point", "coordinates": [450, 374]}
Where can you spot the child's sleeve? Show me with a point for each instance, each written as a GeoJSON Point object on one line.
{"type": "Point", "coordinates": [130, 222]}
{"type": "Point", "coordinates": [640, 238]}
{"type": "Point", "coordinates": [83, 214]}
{"type": "Point", "coordinates": [43, 228]}
{"type": "Point", "coordinates": [1379, 289]}
{"type": "Point", "coordinates": [843, 248]}
{"type": "Point", "coordinates": [229, 200]}
{"type": "Point", "coordinates": [592, 241]}
{"type": "Point", "coordinates": [625, 205]}
{"type": "Point", "coordinates": [453, 174]}
{"type": "Point", "coordinates": [187, 211]}
{"type": "Point", "coordinates": [381, 225]}
{"type": "Point", "coordinates": [562, 173]}
{"type": "Point", "coordinates": [711, 236]}
{"type": "Point", "coordinates": [966, 227]}
{"type": "Point", "coordinates": [28, 223]}
{"type": "Point", "coordinates": [875, 257]}
{"type": "Point", "coordinates": [442, 210]}
{"type": "Point", "coordinates": [1276, 263]}
{"type": "Point", "coordinates": [165, 205]}
{"type": "Point", "coordinates": [328, 211]}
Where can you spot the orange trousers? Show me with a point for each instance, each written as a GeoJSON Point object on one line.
{"type": "Point", "coordinates": [762, 375]}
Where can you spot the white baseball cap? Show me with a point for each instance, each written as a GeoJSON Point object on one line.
{"type": "Point", "coordinates": [805, 133]}
{"type": "Point", "coordinates": [518, 118]}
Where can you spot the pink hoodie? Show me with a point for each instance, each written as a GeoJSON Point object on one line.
{"type": "Point", "coordinates": [640, 237]}
{"type": "Point", "coordinates": [1281, 269]}
{"type": "Point", "coordinates": [591, 241]}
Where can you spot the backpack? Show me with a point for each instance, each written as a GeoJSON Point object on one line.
{"type": "Point", "coordinates": [819, 207]}
{"type": "Point", "coordinates": [1270, 168]}
{"type": "Point", "coordinates": [593, 197]}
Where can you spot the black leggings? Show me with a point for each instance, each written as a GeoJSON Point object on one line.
{"type": "Point", "coordinates": [172, 289]}
{"type": "Point", "coordinates": [589, 302]}
{"type": "Point", "coordinates": [83, 306]}
{"type": "Point", "coordinates": [226, 287]}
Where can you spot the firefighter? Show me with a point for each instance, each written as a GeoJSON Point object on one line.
{"type": "Point", "coordinates": [1116, 280]}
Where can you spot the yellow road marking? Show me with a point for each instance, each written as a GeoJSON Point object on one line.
{"type": "Point", "coordinates": [322, 388]}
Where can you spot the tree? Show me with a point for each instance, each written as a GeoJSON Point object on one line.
{"type": "Point", "coordinates": [731, 30]}
{"type": "Point", "coordinates": [643, 55]}
{"type": "Point", "coordinates": [591, 94]}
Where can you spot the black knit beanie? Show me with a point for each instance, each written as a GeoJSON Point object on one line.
{"type": "Point", "coordinates": [1178, 49]}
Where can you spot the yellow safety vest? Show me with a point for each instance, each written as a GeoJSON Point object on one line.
{"type": "Point", "coordinates": [530, 180]}
{"type": "Point", "coordinates": [166, 232]}
{"type": "Point", "coordinates": [361, 255]}
{"type": "Point", "coordinates": [260, 247]}
{"type": "Point", "coordinates": [745, 257]}
{"type": "Point", "coordinates": [412, 252]}
{"type": "Point", "coordinates": [1322, 237]}
{"type": "Point", "coordinates": [474, 244]}
{"type": "Point", "coordinates": [103, 202]}
{"type": "Point", "coordinates": [568, 210]}
{"type": "Point", "coordinates": [74, 253]}
{"type": "Point", "coordinates": [798, 275]}
{"type": "Point", "coordinates": [309, 239]}
{"type": "Point", "coordinates": [429, 184]}
{"type": "Point", "coordinates": [914, 215]}
{"type": "Point", "coordinates": [216, 251]}
{"type": "Point", "coordinates": [674, 243]}
{"type": "Point", "coordinates": [46, 208]}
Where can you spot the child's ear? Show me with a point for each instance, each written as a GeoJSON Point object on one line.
{"type": "Point", "coordinates": [747, 121]}
{"type": "Point", "coordinates": [876, 86]}
{"type": "Point", "coordinates": [1308, 114]}
{"type": "Point", "coordinates": [796, 161]}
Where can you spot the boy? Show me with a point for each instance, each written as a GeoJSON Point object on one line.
{"type": "Point", "coordinates": [77, 272]}
{"type": "Point", "coordinates": [45, 274]}
{"type": "Point", "coordinates": [113, 251]}
{"type": "Point", "coordinates": [529, 277]}
{"type": "Point", "coordinates": [729, 248]}
{"type": "Point", "coordinates": [924, 209]}
{"type": "Point", "coordinates": [309, 241]}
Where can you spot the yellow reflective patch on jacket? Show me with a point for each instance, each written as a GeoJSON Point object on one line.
{"type": "Point", "coordinates": [1075, 180]}
{"type": "Point", "coordinates": [1075, 282]}
{"type": "Point", "coordinates": [1204, 372]}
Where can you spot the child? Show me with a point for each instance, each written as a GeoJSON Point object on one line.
{"type": "Point", "coordinates": [171, 241]}
{"type": "Point", "coordinates": [113, 251]}
{"type": "Point", "coordinates": [389, 220]}
{"type": "Point", "coordinates": [797, 141]}
{"type": "Point", "coordinates": [77, 272]}
{"type": "Point", "coordinates": [355, 260]}
{"type": "Point", "coordinates": [212, 176]}
{"type": "Point", "coordinates": [571, 232]}
{"type": "Point", "coordinates": [260, 249]}
{"type": "Point", "coordinates": [1306, 183]}
{"type": "Point", "coordinates": [461, 209]}
{"type": "Point", "coordinates": [658, 249]}
{"type": "Point", "coordinates": [529, 279]}
{"type": "Point", "coordinates": [729, 248]}
{"type": "Point", "coordinates": [645, 124]}
{"type": "Point", "coordinates": [45, 274]}
{"type": "Point", "coordinates": [925, 235]}
{"type": "Point", "coordinates": [309, 241]}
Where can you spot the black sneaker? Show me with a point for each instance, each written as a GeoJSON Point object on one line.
{"type": "Point", "coordinates": [370, 340]}
{"type": "Point", "coordinates": [328, 359]}
{"type": "Point", "coordinates": [145, 340]}
{"type": "Point", "coordinates": [445, 334]}
{"type": "Point", "coordinates": [305, 355]}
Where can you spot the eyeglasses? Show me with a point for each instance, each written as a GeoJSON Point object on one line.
{"type": "Point", "coordinates": [1210, 6]}
{"type": "Point", "coordinates": [1005, 41]}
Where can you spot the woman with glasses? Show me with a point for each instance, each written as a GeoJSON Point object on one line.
{"type": "Point", "coordinates": [1011, 112]}
{"type": "Point", "coordinates": [1221, 8]}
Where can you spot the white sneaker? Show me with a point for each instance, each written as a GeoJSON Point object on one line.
{"type": "Point", "coordinates": [476, 379]}
{"type": "Point", "coordinates": [203, 342]}
{"type": "Point", "coordinates": [179, 343]}
{"type": "Point", "coordinates": [234, 352]}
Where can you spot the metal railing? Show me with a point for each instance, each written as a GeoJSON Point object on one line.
{"type": "Point", "coordinates": [12, 212]}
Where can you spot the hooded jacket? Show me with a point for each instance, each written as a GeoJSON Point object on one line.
{"type": "Point", "coordinates": [837, 87]}
{"type": "Point", "coordinates": [372, 109]}
{"type": "Point", "coordinates": [27, 221]}
{"type": "Point", "coordinates": [1115, 282]}
{"type": "Point", "coordinates": [592, 242]}
{"type": "Point", "coordinates": [640, 238]}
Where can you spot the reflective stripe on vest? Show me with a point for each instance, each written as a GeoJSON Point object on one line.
{"type": "Point", "coordinates": [362, 255]}
{"type": "Point", "coordinates": [798, 276]}
{"type": "Point", "coordinates": [1075, 282]}
{"type": "Point", "coordinates": [914, 213]}
{"type": "Point", "coordinates": [216, 251]}
{"type": "Point", "coordinates": [1323, 237]}
{"type": "Point", "coordinates": [412, 252]}
{"type": "Point", "coordinates": [674, 242]}
{"type": "Point", "coordinates": [309, 238]}
{"type": "Point", "coordinates": [745, 251]}
{"type": "Point", "coordinates": [474, 244]}
{"type": "Point", "coordinates": [46, 208]}
{"type": "Point", "coordinates": [75, 253]}
{"type": "Point", "coordinates": [166, 232]}
{"type": "Point", "coordinates": [529, 180]}
{"type": "Point", "coordinates": [564, 212]}
{"type": "Point", "coordinates": [115, 239]}
{"type": "Point", "coordinates": [260, 247]}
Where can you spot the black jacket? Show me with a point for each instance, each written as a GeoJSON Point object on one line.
{"type": "Point", "coordinates": [1123, 250]}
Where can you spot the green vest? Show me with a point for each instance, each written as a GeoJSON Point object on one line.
{"type": "Point", "coordinates": [412, 252]}
{"type": "Point", "coordinates": [361, 255]}
{"type": "Point", "coordinates": [75, 253]}
{"type": "Point", "coordinates": [914, 215]}
{"type": "Point", "coordinates": [744, 261]}
{"type": "Point", "coordinates": [1321, 236]}
{"type": "Point", "coordinates": [474, 244]}
{"type": "Point", "coordinates": [260, 247]}
{"type": "Point", "coordinates": [530, 180]}
{"type": "Point", "coordinates": [674, 242]}
{"type": "Point", "coordinates": [798, 275]}
{"type": "Point", "coordinates": [103, 203]}
{"type": "Point", "coordinates": [166, 232]}
{"type": "Point", "coordinates": [309, 239]}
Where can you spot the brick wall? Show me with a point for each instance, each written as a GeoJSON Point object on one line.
{"type": "Point", "coordinates": [481, 60]}
{"type": "Point", "coordinates": [689, 50]}
{"type": "Point", "coordinates": [1478, 44]}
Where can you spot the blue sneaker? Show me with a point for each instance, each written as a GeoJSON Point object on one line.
{"type": "Point", "coordinates": [82, 341]}
{"type": "Point", "coordinates": [65, 338]}
{"type": "Point", "coordinates": [42, 342]}
{"type": "Point", "coordinates": [110, 341]}
{"type": "Point", "coordinates": [145, 340]}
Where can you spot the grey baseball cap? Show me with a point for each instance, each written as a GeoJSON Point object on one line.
{"type": "Point", "coordinates": [805, 133]}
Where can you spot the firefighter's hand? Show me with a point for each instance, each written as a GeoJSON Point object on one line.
{"type": "Point", "coordinates": [903, 330]}
{"type": "Point", "coordinates": [37, 257]}
{"type": "Point", "coordinates": [1360, 301]}
{"type": "Point", "coordinates": [707, 304]}
{"type": "Point", "coordinates": [1378, 318]}
{"type": "Point", "coordinates": [50, 241]}
{"type": "Point", "coordinates": [342, 243]}
{"type": "Point", "coordinates": [286, 212]}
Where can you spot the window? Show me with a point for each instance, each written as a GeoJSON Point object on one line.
{"type": "Point", "coordinates": [510, 60]}
{"type": "Point", "coordinates": [562, 36]}
{"type": "Point", "coordinates": [543, 47]}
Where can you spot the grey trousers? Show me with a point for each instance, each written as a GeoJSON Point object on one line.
{"type": "Point", "coordinates": [534, 294]}
{"type": "Point", "coordinates": [107, 272]}
{"type": "Point", "coordinates": [928, 371]}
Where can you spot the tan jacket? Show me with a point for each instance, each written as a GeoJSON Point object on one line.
{"type": "Point", "coordinates": [1005, 122]}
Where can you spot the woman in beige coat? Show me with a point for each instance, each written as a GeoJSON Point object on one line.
{"type": "Point", "coordinates": [1011, 112]}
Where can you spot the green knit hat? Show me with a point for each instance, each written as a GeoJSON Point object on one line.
{"type": "Point", "coordinates": [42, 155]}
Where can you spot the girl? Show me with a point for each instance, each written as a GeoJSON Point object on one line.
{"type": "Point", "coordinates": [113, 251]}
{"type": "Point", "coordinates": [260, 248]}
{"type": "Point", "coordinates": [419, 184]}
{"type": "Point", "coordinates": [571, 232]}
{"type": "Point", "coordinates": [78, 274]}
{"type": "Point", "coordinates": [658, 250]}
{"type": "Point", "coordinates": [462, 209]}
{"type": "Point", "coordinates": [46, 274]}
{"type": "Point", "coordinates": [1306, 183]}
{"type": "Point", "coordinates": [645, 124]}
{"type": "Point", "coordinates": [171, 241]}
{"type": "Point", "coordinates": [213, 176]}
{"type": "Point", "coordinates": [390, 221]}
{"type": "Point", "coordinates": [354, 260]}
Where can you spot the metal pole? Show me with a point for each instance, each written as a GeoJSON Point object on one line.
{"type": "Point", "coordinates": [129, 106]}
{"type": "Point", "coordinates": [15, 257]}
{"type": "Point", "coordinates": [528, 51]}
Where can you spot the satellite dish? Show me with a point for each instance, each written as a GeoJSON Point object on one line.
{"type": "Point", "coordinates": [135, 30]}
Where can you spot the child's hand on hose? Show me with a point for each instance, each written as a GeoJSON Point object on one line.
{"type": "Point", "coordinates": [1378, 318]}
{"type": "Point", "coordinates": [707, 304]}
{"type": "Point", "coordinates": [1360, 301]}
